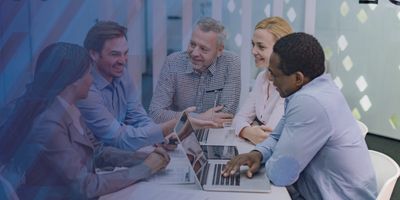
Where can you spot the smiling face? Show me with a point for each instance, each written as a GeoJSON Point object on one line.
{"type": "Point", "coordinates": [203, 49]}
{"type": "Point", "coordinates": [263, 42]}
{"type": "Point", "coordinates": [285, 84]}
{"type": "Point", "coordinates": [112, 59]}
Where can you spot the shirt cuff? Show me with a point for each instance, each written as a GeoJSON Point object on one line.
{"type": "Point", "coordinates": [156, 134]}
{"type": "Point", "coordinates": [239, 126]}
{"type": "Point", "coordinates": [140, 172]}
{"type": "Point", "coordinates": [265, 149]}
{"type": "Point", "coordinates": [135, 139]}
{"type": "Point", "coordinates": [193, 114]}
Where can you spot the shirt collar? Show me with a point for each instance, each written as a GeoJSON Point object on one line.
{"type": "Point", "coordinates": [100, 81]}
{"type": "Point", "coordinates": [212, 68]}
{"type": "Point", "coordinates": [311, 84]}
{"type": "Point", "coordinates": [72, 110]}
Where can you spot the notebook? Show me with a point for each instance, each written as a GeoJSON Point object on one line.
{"type": "Point", "coordinates": [208, 171]}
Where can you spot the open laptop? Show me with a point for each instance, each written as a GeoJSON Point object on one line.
{"type": "Point", "coordinates": [211, 152]}
{"type": "Point", "coordinates": [202, 135]}
{"type": "Point", "coordinates": [219, 152]}
{"type": "Point", "coordinates": [208, 171]}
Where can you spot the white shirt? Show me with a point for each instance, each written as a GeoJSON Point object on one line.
{"type": "Point", "coordinates": [263, 102]}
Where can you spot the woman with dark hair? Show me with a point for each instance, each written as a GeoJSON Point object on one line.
{"type": "Point", "coordinates": [46, 152]}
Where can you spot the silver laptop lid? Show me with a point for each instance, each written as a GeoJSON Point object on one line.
{"type": "Point", "coordinates": [191, 146]}
{"type": "Point", "coordinates": [200, 165]}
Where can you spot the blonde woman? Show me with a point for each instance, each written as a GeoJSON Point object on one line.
{"type": "Point", "coordinates": [263, 108]}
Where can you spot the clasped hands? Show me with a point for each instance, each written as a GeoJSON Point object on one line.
{"type": "Point", "coordinates": [157, 160]}
{"type": "Point", "coordinates": [255, 134]}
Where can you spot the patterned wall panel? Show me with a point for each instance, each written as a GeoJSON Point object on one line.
{"type": "Point", "coordinates": [361, 45]}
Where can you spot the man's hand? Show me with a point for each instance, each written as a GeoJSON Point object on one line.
{"type": "Point", "coordinates": [168, 126]}
{"type": "Point", "coordinates": [252, 159]}
{"type": "Point", "coordinates": [170, 142]}
{"type": "Point", "coordinates": [256, 134]}
{"type": "Point", "coordinates": [197, 121]}
{"type": "Point", "coordinates": [200, 123]}
{"type": "Point", "coordinates": [157, 160]}
{"type": "Point", "coordinates": [214, 114]}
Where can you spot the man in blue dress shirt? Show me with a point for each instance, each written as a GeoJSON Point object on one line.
{"type": "Point", "coordinates": [112, 110]}
{"type": "Point", "coordinates": [317, 148]}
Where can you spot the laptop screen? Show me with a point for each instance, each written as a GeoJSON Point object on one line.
{"type": "Point", "coordinates": [191, 146]}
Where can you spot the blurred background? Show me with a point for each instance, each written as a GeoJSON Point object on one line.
{"type": "Point", "coordinates": [361, 44]}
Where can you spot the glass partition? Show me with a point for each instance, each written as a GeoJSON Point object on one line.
{"type": "Point", "coordinates": [361, 44]}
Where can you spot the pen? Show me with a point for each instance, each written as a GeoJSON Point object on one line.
{"type": "Point", "coordinates": [216, 98]}
{"type": "Point", "coordinates": [215, 102]}
{"type": "Point", "coordinates": [216, 91]}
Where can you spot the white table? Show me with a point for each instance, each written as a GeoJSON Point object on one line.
{"type": "Point", "coordinates": [150, 190]}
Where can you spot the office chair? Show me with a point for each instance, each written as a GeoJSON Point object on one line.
{"type": "Point", "coordinates": [387, 172]}
{"type": "Point", "coordinates": [363, 127]}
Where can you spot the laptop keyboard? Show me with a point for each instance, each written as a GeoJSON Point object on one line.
{"type": "Point", "coordinates": [202, 135]}
{"type": "Point", "coordinates": [221, 180]}
{"type": "Point", "coordinates": [217, 152]}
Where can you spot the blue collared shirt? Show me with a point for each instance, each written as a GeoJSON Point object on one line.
{"type": "Point", "coordinates": [318, 147]}
{"type": "Point", "coordinates": [114, 114]}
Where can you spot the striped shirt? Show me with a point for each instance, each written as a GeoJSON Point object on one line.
{"type": "Point", "coordinates": [180, 87]}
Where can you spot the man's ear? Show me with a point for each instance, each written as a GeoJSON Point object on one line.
{"type": "Point", "coordinates": [94, 55]}
{"type": "Point", "coordinates": [300, 79]}
{"type": "Point", "coordinates": [220, 49]}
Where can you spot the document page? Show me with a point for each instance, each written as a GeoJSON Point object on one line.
{"type": "Point", "coordinates": [178, 170]}
{"type": "Point", "coordinates": [147, 190]}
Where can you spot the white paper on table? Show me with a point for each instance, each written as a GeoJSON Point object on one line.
{"type": "Point", "coordinates": [148, 190]}
{"type": "Point", "coordinates": [167, 194]}
{"type": "Point", "coordinates": [178, 171]}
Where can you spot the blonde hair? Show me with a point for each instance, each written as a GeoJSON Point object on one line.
{"type": "Point", "coordinates": [277, 26]}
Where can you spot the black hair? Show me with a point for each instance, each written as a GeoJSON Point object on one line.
{"type": "Point", "coordinates": [58, 65]}
{"type": "Point", "coordinates": [300, 52]}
